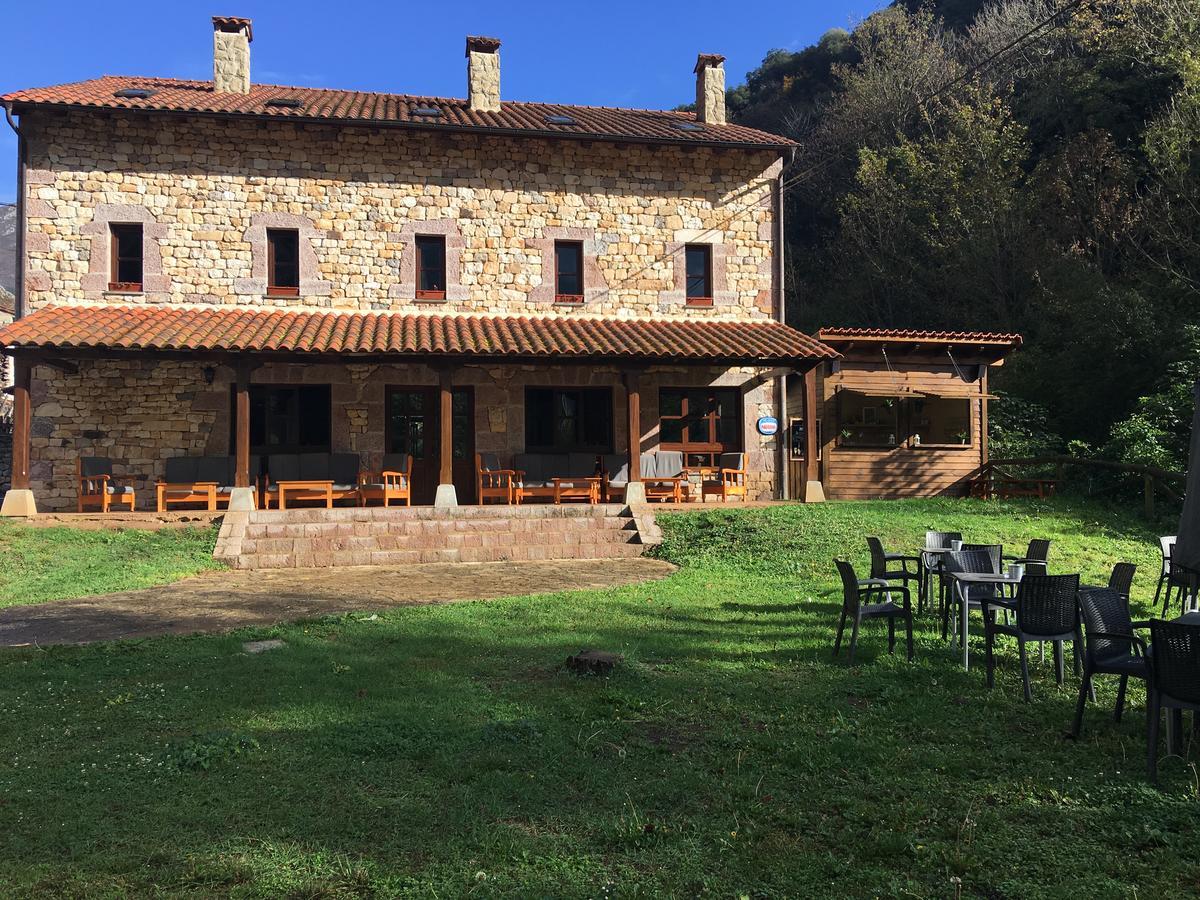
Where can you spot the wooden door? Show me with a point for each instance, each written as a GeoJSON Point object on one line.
{"type": "Point", "coordinates": [412, 427]}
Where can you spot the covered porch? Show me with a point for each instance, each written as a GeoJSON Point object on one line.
{"type": "Point", "coordinates": [141, 386]}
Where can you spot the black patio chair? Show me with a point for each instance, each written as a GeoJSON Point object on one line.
{"type": "Point", "coordinates": [1034, 560]}
{"type": "Point", "coordinates": [931, 566]}
{"type": "Point", "coordinates": [1174, 683]}
{"type": "Point", "coordinates": [1121, 581]}
{"type": "Point", "coordinates": [881, 560]}
{"type": "Point", "coordinates": [1172, 578]}
{"type": "Point", "coordinates": [1047, 609]}
{"type": "Point", "coordinates": [853, 608]}
{"type": "Point", "coordinates": [1111, 647]}
{"type": "Point", "coordinates": [971, 558]}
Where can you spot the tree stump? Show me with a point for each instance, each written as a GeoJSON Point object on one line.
{"type": "Point", "coordinates": [594, 662]}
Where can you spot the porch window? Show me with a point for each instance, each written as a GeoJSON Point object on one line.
{"type": "Point", "coordinates": [868, 421]}
{"type": "Point", "coordinates": [283, 262]}
{"type": "Point", "coordinates": [125, 239]}
{"type": "Point", "coordinates": [287, 419]}
{"type": "Point", "coordinates": [431, 267]}
{"type": "Point", "coordinates": [568, 271]}
{"type": "Point", "coordinates": [940, 422]}
{"type": "Point", "coordinates": [702, 422]}
{"type": "Point", "coordinates": [560, 420]}
{"type": "Point", "coordinates": [699, 274]}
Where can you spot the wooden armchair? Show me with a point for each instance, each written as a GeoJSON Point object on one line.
{"type": "Point", "coordinates": [394, 481]}
{"type": "Point", "coordinates": [494, 483]}
{"type": "Point", "coordinates": [726, 479]}
{"type": "Point", "coordinates": [96, 488]}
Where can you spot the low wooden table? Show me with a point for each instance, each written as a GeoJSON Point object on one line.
{"type": "Point", "coordinates": [187, 492]}
{"type": "Point", "coordinates": [587, 488]}
{"type": "Point", "coordinates": [302, 490]}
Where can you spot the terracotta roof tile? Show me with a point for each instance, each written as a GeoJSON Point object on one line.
{"type": "Point", "coordinates": [360, 107]}
{"type": "Point", "coordinates": [838, 335]}
{"type": "Point", "coordinates": [243, 329]}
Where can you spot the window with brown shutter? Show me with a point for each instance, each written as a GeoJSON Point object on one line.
{"type": "Point", "coordinates": [126, 269]}
{"type": "Point", "coordinates": [283, 262]}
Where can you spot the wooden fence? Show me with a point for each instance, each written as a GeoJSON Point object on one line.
{"type": "Point", "coordinates": [996, 478]}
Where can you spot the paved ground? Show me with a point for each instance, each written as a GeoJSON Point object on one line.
{"type": "Point", "coordinates": [220, 601]}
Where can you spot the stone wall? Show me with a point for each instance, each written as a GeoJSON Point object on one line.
{"type": "Point", "coordinates": [141, 412]}
{"type": "Point", "coordinates": [204, 188]}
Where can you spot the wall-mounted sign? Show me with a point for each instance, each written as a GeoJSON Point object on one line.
{"type": "Point", "coordinates": [768, 425]}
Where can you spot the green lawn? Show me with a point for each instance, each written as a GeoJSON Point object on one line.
{"type": "Point", "coordinates": [441, 751]}
{"type": "Point", "coordinates": [40, 564]}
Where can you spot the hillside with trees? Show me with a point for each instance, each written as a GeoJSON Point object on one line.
{"type": "Point", "coordinates": [995, 165]}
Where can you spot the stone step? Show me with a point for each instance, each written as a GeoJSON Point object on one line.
{"type": "Point", "coordinates": [409, 536]}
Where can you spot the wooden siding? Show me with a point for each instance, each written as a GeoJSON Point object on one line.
{"type": "Point", "coordinates": [855, 473]}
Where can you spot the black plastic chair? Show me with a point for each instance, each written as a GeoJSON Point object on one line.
{"type": "Point", "coordinates": [972, 558]}
{"type": "Point", "coordinates": [880, 560]}
{"type": "Point", "coordinates": [931, 566]}
{"type": "Point", "coordinates": [853, 608]}
{"type": "Point", "coordinates": [1034, 560]}
{"type": "Point", "coordinates": [1174, 683]}
{"type": "Point", "coordinates": [1172, 578]}
{"type": "Point", "coordinates": [1111, 646]}
{"type": "Point", "coordinates": [1121, 581]}
{"type": "Point", "coordinates": [1047, 608]}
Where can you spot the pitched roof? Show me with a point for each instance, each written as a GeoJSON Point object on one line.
{"type": "Point", "coordinates": [171, 95]}
{"type": "Point", "coordinates": [243, 329]}
{"type": "Point", "coordinates": [907, 335]}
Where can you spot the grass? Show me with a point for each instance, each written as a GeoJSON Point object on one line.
{"type": "Point", "coordinates": [442, 751]}
{"type": "Point", "coordinates": [57, 563]}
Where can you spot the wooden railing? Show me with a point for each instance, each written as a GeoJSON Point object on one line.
{"type": "Point", "coordinates": [995, 478]}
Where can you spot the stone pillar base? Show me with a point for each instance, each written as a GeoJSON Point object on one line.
{"type": "Point", "coordinates": [241, 499]}
{"type": "Point", "coordinates": [635, 492]}
{"type": "Point", "coordinates": [19, 504]}
{"type": "Point", "coordinates": [814, 492]}
{"type": "Point", "coordinates": [446, 497]}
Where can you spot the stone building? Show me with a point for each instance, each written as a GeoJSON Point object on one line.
{"type": "Point", "coordinates": [358, 268]}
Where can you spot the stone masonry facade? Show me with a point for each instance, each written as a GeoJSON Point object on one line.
{"type": "Point", "coordinates": [358, 196]}
{"type": "Point", "coordinates": [141, 412]}
{"type": "Point", "coordinates": [206, 190]}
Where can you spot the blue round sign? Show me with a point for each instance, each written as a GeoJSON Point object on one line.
{"type": "Point", "coordinates": [768, 425]}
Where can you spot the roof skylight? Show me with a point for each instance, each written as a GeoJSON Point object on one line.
{"type": "Point", "coordinates": [134, 93]}
{"type": "Point", "coordinates": [285, 102]}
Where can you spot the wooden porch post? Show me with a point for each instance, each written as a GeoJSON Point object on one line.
{"type": "Point", "coordinates": [242, 430]}
{"type": "Point", "coordinates": [635, 492]}
{"type": "Point", "coordinates": [446, 494]}
{"type": "Point", "coordinates": [814, 491]}
{"type": "Point", "coordinates": [18, 501]}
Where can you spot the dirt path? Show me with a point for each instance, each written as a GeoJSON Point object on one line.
{"type": "Point", "coordinates": [221, 601]}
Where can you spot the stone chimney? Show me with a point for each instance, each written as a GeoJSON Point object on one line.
{"type": "Point", "coordinates": [483, 74]}
{"type": "Point", "coordinates": [710, 88]}
{"type": "Point", "coordinates": [231, 54]}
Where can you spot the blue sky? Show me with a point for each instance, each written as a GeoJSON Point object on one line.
{"type": "Point", "coordinates": [619, 53]}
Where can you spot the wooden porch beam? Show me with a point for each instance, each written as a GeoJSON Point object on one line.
{"type": "Point", "coordinates": [633, 408]}
{"type": "Point", "coordinates": [22, 417]}
{"type": "Point", "coordinates": [446, 425]}
{"type": "Point", "coordinates": [242, 424]}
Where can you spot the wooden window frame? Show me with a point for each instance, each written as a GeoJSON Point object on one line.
{"type": "Point", "coordinates": [712, 447]}
{"type": "Point", "coordinates": [796, 453]}
{"type": "Point", "coordinates": [606, 447]}
{"type": "Point", "coordinates": [911, 429]}
{"type": "Point", "coordinates": [418, 240]}
{"type": "Point", "coordinates": [115, 259]}
{"type": "Point", "coordinates": [569, 299]}
{"type": "Point", "coordinates": [899, 427]}
{"type": "Point", "coordinates": [705, 300]}
{"type": "Point", "coordinates": [278, 290]}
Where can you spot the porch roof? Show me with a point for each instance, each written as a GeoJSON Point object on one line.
{"type": "Point", "coordinates": [231, 330]}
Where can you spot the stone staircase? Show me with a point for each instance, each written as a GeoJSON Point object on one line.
{"type": "Point", "coordinates": [375, 536]}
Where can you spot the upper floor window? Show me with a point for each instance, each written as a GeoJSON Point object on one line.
{"type": "Point", "coordinates": [431, 267]}
{"type": "Point", "coordinates": [283, 262]}
{"type": "Point", "coordinates": [568, 271]}
{"type": "Point", "coordinates": [126, 268]}
{"type": "Point", "coordinates": [699, 274]}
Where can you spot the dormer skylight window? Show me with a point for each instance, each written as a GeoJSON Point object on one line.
{"type": "Point", "coordinates": [429, 112]}
{"type": "Point", "coordinates": [560, 120]}
{"type": "Point", "coordinates": [134, 93]}
{"type": "Point", "coordinates": [285, 102]}
{"type": "Point", "coordinates": [688, 126]}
